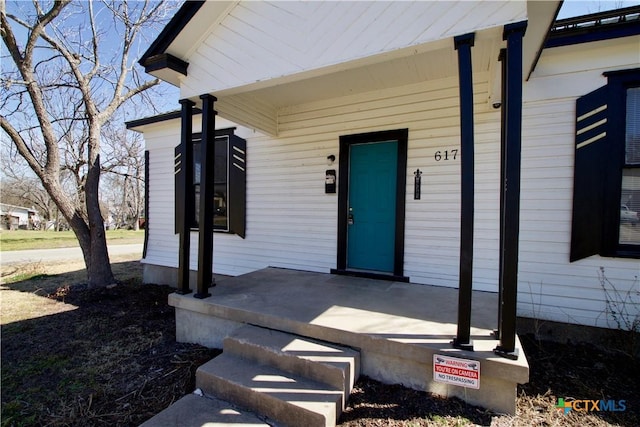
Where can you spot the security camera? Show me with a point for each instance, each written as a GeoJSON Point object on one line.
{"type": "Point", "coordinates": [497, 105]}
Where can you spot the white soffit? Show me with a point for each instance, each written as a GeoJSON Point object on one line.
{"type": "Point", "coordinates": [541, 15]}
{"type": "Point", "coordinates": [249, 42]}
{"type": "Point", "coordinates": [199, 27]}
{"type": "Point", "coordinates": [432, 64]}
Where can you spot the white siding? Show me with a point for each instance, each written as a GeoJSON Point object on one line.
{"type": "Point", "coordinates": [550, 286]}
{"type": "Point", "coordinates": [291, 222]}
{"type": "Point", "coordinates": [162, 248]}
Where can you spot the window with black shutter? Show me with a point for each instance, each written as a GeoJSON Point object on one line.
{"type": "Point", "coordinates": [606, 198]}
{"type": "Point", "coordinates": [229, 184]}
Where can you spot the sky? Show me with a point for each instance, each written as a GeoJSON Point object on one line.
{"type": "Point", "coordinates": [572, 8]}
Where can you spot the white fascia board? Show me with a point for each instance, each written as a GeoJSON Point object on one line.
{"type": "Point", "coordinates": [541, 15]}
{"type": "Point", "coordinates": [209, 16]}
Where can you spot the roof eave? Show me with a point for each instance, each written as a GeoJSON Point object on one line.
{"type": "Point", "coordinates": [595, 27]}
{"type": "Point", "coordinates": [166, 67]}
{"type": "Point", "coordinates": [172, 30]}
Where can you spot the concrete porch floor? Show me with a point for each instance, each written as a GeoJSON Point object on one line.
{"type": "Point", "coordinates": [397, 327]}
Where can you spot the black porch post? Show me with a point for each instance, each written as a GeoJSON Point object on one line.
{"type": "Point", "coordinates": [503, 149]}
{"type": "Point", "coordinates": [184, 190]}
{"type": "Point", "coordinates": [463, 45]}
{"type": "Point", "coordinates": [510, 227]}
{"type": "Point", "coordinates": [205, 221]}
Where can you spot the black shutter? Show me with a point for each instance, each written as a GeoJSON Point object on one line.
{"type": "Point", "coordinates": [237, 164]}
{"type": "Point", "coordinates": [184, 195]}
{"type": "Point", "coordinates": [147, 182]}
{"type": "Point", "coordinates": [179, 199]}
{"type": "Point", "coordinates": [591, 140]}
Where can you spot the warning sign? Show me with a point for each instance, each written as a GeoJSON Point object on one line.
{"type": "Point", "coordinates": [452, 370]}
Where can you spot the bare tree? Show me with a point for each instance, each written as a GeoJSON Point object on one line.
{"type": "Point", "coordinates": [21, 187]}
{"type": "Point", "coordinates": [123, 168]}
{"type": "Point", "coordinates": [66, 80]}
{"type": "Point", "coordinates": [28, 192]}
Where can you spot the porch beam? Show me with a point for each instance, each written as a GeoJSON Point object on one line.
{"type": "Point", "coordinates": [185, 180]}
{"type": "Point", "coordinates": [463, 45]}
{"type": "Point", "coordinates": [205, 220]}
{"type": "Point", "coordinates": [510, 189]}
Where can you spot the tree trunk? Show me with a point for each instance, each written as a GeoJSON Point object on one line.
{"type": "Point", "coordinates": [71, 94]}
{"type": "Point", "coordinates": [98, 265]}
{"type": "Point", "coordinates": [99, 268]}
{"type": "Point", "coordinates": [92, 239]}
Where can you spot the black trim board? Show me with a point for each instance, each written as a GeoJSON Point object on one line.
{"type": "Point", "coordinates": [164, 61]}
{"type": "Point", "coordinates": [400, 135]}
{"type": "Point", "coordinates": [171, 30]}
{"type": "Point", "coordinates": [371, 275]}
{"type": "Point", "coordinates": [617, 84]}
{"type": "Point", "coordinates": [599, 26]}
{"type": "Point", "coordinates": [146, 204]}
{"type": "Point", "coordinates": [172, 115]}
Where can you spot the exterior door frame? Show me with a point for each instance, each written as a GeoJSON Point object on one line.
{"type": "Point", "coordinates": [346, 141]}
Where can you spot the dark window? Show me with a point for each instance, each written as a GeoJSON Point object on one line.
{"type": "Point", "coordinates": [229, 184]}
{"type": "Point", "coordinates": [630, 188]}
{"type": "Point", "coordinates": [221, 182]}
{"type": "Point", "coordinates": [606, 199]}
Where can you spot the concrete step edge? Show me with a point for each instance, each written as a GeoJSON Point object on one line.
{"type": "Point", "coordinates": [285, 398]}
{"type": "Point", "coordinates": [336, 365]}
{"type": "Point", "coordinates": [194, 410]}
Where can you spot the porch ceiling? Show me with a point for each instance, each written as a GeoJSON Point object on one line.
{"type": "Point", "coordinates": [257, 58]}
{"type": "Point", "coordinates": [257, 105]}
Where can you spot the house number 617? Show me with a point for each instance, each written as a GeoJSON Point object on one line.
{"type": "Point", "coordinates": [446, 155]}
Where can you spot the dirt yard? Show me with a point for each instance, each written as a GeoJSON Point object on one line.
{"type": "Point", "coordinates": [78, 357]}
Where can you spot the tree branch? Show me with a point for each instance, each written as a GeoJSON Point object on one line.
{"type": "Point", "coordinates": [22, 146]}
{"type": "Point", "coordinates": [94, 43]}
{"type": "Point", "coordinates": [117, 101]}
{"type": "Point", "coordinates": [24, 65]}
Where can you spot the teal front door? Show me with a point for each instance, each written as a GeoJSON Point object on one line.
{"type": "Point", "coordinates": [372, 198]}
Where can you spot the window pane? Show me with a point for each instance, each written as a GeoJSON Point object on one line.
{"type": "Point", "coordinates": [220, 186]}
{"type": "Point", "coordinates": [630, 207]}
{"type": "Point", "coordinates": [633, 126]}
{"type": "Point", "coordinates": [197, 168]}
{"type": "Point", "coordinates": [220, 183]}
{"type": "Point", "coordinates": [196, 210]}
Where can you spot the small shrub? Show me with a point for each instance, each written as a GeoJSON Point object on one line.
{"type": "Point", "coordinates": [622, 312]}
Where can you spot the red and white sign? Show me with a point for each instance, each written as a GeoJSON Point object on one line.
{"type": "Point", "coordinates": [456, 371]}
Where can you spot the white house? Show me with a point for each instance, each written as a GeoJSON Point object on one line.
{"type": "Point", "coordinates": [14, 217]}
{"type": "Point", "coordinates": [471, 145]}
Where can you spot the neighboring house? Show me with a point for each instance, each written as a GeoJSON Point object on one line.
{"type": "Point", "coordinates": [14, 217]}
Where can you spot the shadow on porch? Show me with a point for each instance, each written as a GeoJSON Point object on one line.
{"type": "Point", "coordinates": [397, 327]}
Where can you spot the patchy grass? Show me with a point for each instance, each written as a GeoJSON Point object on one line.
{"type": "Point", "coordinates": [80, 357]}
{"type": "Point", "coordinates": [31, 239]}
{"type": "Point", "coordinates": [24, 272]}
{"type": "Point", "coordinates": [108, 357]}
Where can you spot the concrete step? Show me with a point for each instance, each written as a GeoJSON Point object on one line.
{"type": "Point", "coordinates": [328, 363]}
{"type": "Point", "coordinates": [287, 399]}
{"type": "Point", "coordinates": [197, 411]}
